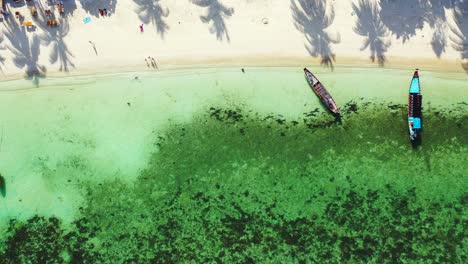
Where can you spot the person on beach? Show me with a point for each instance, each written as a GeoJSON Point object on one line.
{"type": "Point", "coordinates": [94, 46]}
{"type": "Point", "coordinates": [150, 61]}
{"type": "Point", "coordinates": [155, 65]}
{"type": "Point", "coordinates": [141, 28]}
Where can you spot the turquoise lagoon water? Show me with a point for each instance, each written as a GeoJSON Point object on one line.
{"type": "Point", "coordinates": [217, 166]}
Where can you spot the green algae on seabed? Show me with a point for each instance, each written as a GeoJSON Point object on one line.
{"type": "Point", "coordinates": [252, 179]}
{"type": "Point", "coordinates": [236, 186]}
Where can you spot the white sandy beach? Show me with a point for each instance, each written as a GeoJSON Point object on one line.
{"type": "Point", "coordinates": [426, 34]}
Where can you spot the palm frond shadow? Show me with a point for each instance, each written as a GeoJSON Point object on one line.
{"type": "Point", "coordinates": [92, 6]}
{"type": "Point", "coordinates": [2, 59]}
{"type": "Point", "coordinates": [459, 31]}
{"type": "Point", "coordinates": [312, 19]}
{"type": "Point", "coordinates": [69, 7]}
{"type": "Point", "coordinates": [216, 15]}
{"type": "Point", "coordinates": [371, 27]}
{"type": "Point", "coordinates": [439, 39]}
{"type": "Point", "coordinates": [151, 11]}
{"type": "Point", "coordinates": [54, 37]}
{"type": "Point", "coordinates": [403, 17]}
{"type": "Point", "coordinates": [25, 48]}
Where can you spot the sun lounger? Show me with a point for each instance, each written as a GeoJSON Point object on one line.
{"type": "Point", "coordinates": [27, 24]}
{"type": "Point", "coordinates": [60, 8]}
{"type": "Point", "coordinates": [52, 22]}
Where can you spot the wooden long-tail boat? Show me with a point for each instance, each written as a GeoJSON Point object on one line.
{"type": "Point", "coordinates": [321, 92]}
{"type": "Point", "coordinates": [415, 107]}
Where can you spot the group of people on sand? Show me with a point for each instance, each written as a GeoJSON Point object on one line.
{"type": "Point", "coordinates": [151, 62]}
{"type": "Point", "coordinates": [103, 12]}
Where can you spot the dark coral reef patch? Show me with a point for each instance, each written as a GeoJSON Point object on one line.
{"type": "Point", "coordinates": [233, 186]}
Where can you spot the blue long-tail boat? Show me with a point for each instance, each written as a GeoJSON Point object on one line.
{"type": "Point", "coordinates": [414, 107]}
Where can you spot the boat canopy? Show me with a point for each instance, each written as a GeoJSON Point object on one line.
{"type": "Point", "coordinates": [417, 123]}
{"type": "Point", "coordinates": [414, 87]}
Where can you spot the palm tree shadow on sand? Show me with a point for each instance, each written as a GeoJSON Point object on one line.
{"type": "Point", "coordinates": [25, 47]}
{"type": "Point", "coordinates": [217, 13]}
{"type": "Point", "coordinates": [2, 62]}
{"type": "Point", "coordinates": [92, 6]}
{"type": "Point", "coordinates": [54, 36]}
{"type": "Point", "coordinates": [459, 36]}
{"type": "Point", "coordinates": [436, 17]}
{"type": "Point", "coordinates": [151, 11]}
{"type": "Point", "coordinates": [2, 59]}
{"type": "Point", "coordinates": [370, 26]}
{"type": "Point", "coordinates": [312, 19]}
{"type": "Point", "coordinates": [403, 17]}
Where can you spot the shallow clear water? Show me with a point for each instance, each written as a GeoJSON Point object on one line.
{"type": "Point", "coordinates": [215, 165]}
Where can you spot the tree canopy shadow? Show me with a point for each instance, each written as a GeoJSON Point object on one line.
{"type": "Point", "coordinates": [25, 48]}
{"type": "Point", "coordinates": [2, 59]}
{"type": "Point", "coordinates": [69, 6]}
{"type": "Point", "coordinates": [370, 26]}
{"type": "Point", "coordinates": [216, 15]}
{"type": "Point", "coordinates": [92, 6]}
{"type": "Point", "coordinates": [435, 16]}
{"type": "Point", "coordinates": [312, 19]}
{"type": "Point", "coordinates": [54, 37]}
{"type": "Point", "coordinates": [403, 17]}
{"type": "Point", "coordinates": [439, 39]}
{"type": "Point", "coordinates": [459, 36]}
{"type": "Point", "coordinates": [151, 11]}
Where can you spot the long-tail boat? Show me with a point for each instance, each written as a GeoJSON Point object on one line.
{"type": "Point", "coordinates": [321, 92]}
{"type": "Point", "coordinates": [414, 107]}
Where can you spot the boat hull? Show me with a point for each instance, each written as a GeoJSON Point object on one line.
{"type": "Point", "coordinates": [321, 92]}
{"type": "Point", "coordinates": [415, 108]}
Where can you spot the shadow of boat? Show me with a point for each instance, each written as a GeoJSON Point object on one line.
{"type": "Point", "coordinates": [2, 186]}
{"type": "Point", "coordinates": [417, 142]}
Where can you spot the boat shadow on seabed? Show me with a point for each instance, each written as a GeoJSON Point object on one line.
{"type": "Point", "coordinates": [417, 141]}
{"type": "Point", "coordinates": [337, 117]}
{"type": "Point", "coordinates": [2, 186]}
